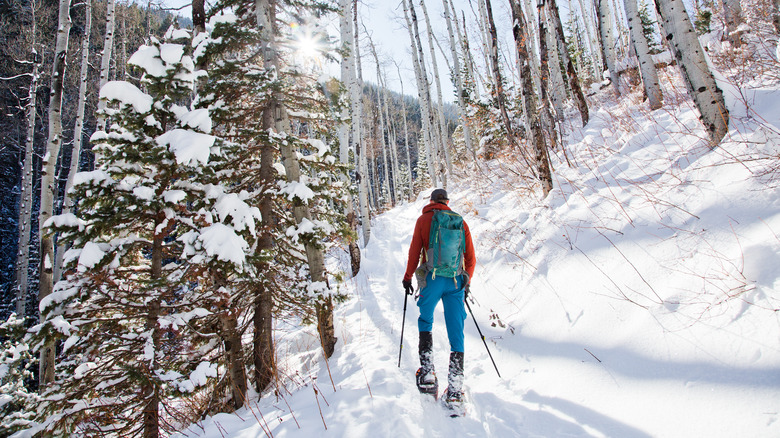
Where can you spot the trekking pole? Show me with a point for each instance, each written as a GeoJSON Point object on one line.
{"type": "Point", "coordinates": [481, 336]}
{"type": "Point", "coordinates": [403, 322]}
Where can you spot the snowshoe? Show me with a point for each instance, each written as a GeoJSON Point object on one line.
{"type": "Point", "coordinates": [454, 402]}
{"type": "Point", "coordinates": [427, 383]}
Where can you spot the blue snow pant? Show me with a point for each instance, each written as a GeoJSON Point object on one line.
{"type": "Point", "coordinates": [450, 293]}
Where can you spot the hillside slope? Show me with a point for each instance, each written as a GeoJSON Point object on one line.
{"type": "Point", "coordinates": [639, 299]}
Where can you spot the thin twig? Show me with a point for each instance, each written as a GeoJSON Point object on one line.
{"type": "Point", "coordinates": [594, 356]}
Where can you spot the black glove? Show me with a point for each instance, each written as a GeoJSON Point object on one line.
{"type": "Point", "coordinates": [408, 287]}
{"type": "Point", "coordinates": [466, 292]}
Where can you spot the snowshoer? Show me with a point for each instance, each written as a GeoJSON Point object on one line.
{"type": "Point", "coordinates": [441, 257]}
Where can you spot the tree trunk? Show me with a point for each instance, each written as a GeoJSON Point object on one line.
{"type": "Point", "coordinates": [499, 93]}
{"type": "Point", "coordinates": [776, 15]}
{"type": "Point", "coordinates": [696, 73]}
{"type": "Point", "coordinates": [591, 30]}
{"type": "Point", "coordinates": [733, 15]}
{"type": "Point", "coordinates": [646, 65]}
{"type": "Point", "coordinates": [49, 180]}
{"type": "Point", "coordinates": [357, 133]}
{"type": "Point", "coordinates": [78, 130]}
{"type": "Point", "coordinates": [347, 74]}
{"type": "Point", "coordinates": [199, 16]}
{"type": "Point", "coordinates": [105, 60]}
{"type": "Point", "coordinates": [406, 135]}
{"type": "Point", "coordinates": [574, 82]}
{"type": "Point", "coordinates": [458, 75]}
{"type": "Point", "coordinates": [439, 110]}
{"type": "Point", "coordinates": [423, 90]}
{"type": "Point", "coordinates": [385, 182]}
{"type": "Point", "coordinates": [546, 76]}
{"type": "Point", "coordinates": [234, 351]}
{"type": "Point", "coordinates": [558, 87]}
{"type": "Point", "coordinates": [608, 42]}
{"type": "Point", "coordinates": [26, 195]}
{"type": "Point", "coordinates": [151, 412]}
{"type": "Point", "coordinates": [467, 56]}
{"type": "Point", "coordinates": [519, 33]}
{"type": "Point", "coordinates": [266, 13]}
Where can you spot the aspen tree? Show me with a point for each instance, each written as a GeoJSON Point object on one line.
{"type": "Point", "coordinates": [358, 139]}
{"type": "Point", "coordinates": [406, 135]}
{"type": "Point", "coordinates": [457, 76]}
{"type": "Point", "coordinates": [105, 59]}
{"type": "Point", "coordinates": [545, 78]}
{"type": "Point", "coordinates": [347, 72]}
{"type": "Point", "coordinates": [384, 182]}
{"type": "Point", "coordinates": [519, 32]}
{"type": "Point", "coordinates": [423, 91]}
{"type": "Point", "coordinates": [26, 195]}
{"type": "Point", "coordinates": [499, 94]}
{"type": "Point", "coordinates": [571, 74]}
{"type": "Point", "coordinates": [49, 180]}
{"type": "Point", "coordinates": [78, 130]}
{"type": "Point", "coordinates": [439, 108]}
{"type": "Point", "coordinates": [594, 45]}
{"type": "Point", "coordinates": [608, 42]}
{"type": "Point", "coordinates": [467, 57]}
{"type": "Point", "coordinates": [647, 70]}
{"type": "Point", "coordinates": [558, 88]}
{"type": "Point", "coordinates": [691, 59]}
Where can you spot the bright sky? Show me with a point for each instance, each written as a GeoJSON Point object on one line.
{"type": "Point", "coordinates": [386, 26]}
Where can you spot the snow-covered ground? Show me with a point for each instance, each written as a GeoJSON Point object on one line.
{"type": "Point", "coordinates": [640, 299]}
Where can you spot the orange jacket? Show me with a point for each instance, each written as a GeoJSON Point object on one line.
{"type": "Point", "coordinates": [421, 237]}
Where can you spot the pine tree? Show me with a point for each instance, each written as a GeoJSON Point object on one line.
{"type": "Point", "coordinates": [17, 404]}
{"type": "Point", "coordinates": [131, 291]}
{"type": "Point", "coordinates": [648, 29]}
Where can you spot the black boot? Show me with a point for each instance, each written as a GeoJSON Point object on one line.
{"type": "Point", "coordinates": [455, 377]}
{"type": "Point", "coordinates": [453, 397]}
{"type": "Point", "coordinates": [426, 377]}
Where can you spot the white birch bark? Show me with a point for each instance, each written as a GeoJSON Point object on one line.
{"type": "Point", "coordinates": [696, 73]}
{"type": "Point", "coordinates": [347, 73]}
{"type": "Point", "coordinates": [594, 45]}
{"type": "Point", "coordinates": [485, 40]}
{"type": "Point", "coordinates": [467, 56]}
{"type": "Point", "coordinates": [26, 192]}
{"type": "Point", "coordinates": [385, 182]}
{"type": "Point", "coordinates": [393, 148]}
{"type": "Point", "coordinates": [499, 93]}
{"type": "Point", "coordinates": [422, 89]}
{"type": "Point", "coordinates": [458, 77]}
{"type": "Point", "coordinates": [347, 67]}
{"type": "Point", "coordinates": [67, 205]}
{"type": "Point", "coordinates": [534, 48]}
{"type": "Point", "coordinates": [571, 74]}
{"type": "Point", "coordinates": [49, 180]}
{"type": "Point", "coordinates": [122, 64]}
{"type": "Point", "coordinates": [439, 109]}
{"type": "Point", "coordinates": [357, 132]}
{"type": "Point", "coordinates": [105, 59]}
{"type": "Point", "coordinates": [519, 31]}
{"type": "Point", "coordinates": [557, 87]}
{"type": "Point", "coordinates": [646, 65]}
{"type": "Point", "coordinates": [608, 42]}
{"type": "Point", "coordinates": [406, 135]}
